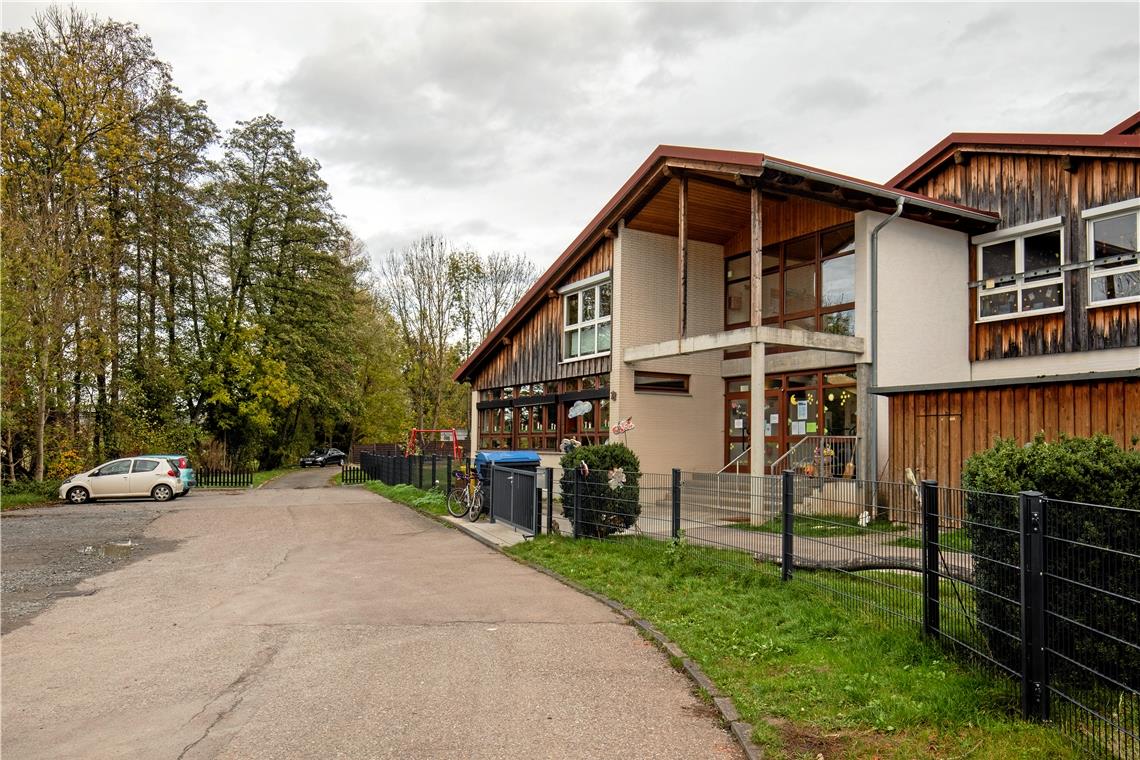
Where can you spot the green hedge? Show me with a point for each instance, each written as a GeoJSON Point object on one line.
{"type": "Point", "coordinates": [605, 509]}
{"type": "Point", "coordinates": [1091, 471]}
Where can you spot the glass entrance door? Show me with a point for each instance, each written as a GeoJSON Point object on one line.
{"type": "Point", "coordinates": [737, 423]}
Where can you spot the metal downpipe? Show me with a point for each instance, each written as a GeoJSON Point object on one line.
{"type": "Point", "coordinates": [873, 427]}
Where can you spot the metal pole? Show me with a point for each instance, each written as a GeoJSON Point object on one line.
{"type": "Point", "coordinates": [491, 494]}
{"type": "Point", "coordinates": [787, 549]}
{"type": "Point", "coordinates": [434, 481]}
{"type": "Point", "coordinates": [1034, 666]}
{"type": "Point", "coordinates": [549, 500]}
{"type": "Point", "coordinates": [447, 483]}
{"type": "Point", "coordinates": [577, 502]}
{"type": "Point", "coordinates": [931, 609]}
{"type": "Point", "coordinates": [676, 503]}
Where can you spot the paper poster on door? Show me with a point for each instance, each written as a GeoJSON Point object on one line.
{"type": "Point", "coordinates": [801, 409]}
{"type": "Point", "coordinates": [768, 428]}
{"type": "Point", "coordinates": [738, 424]}
{"type": "Point", "coordinates": [799, 428]}
{"type": "Point", "coordinates": [811, 428]}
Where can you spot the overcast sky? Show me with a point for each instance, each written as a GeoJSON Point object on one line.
{"type": "Point", "coordinates": [509, 126]}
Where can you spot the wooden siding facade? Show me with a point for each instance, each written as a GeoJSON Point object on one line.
{"type": "Point", "coordinates": [1028, 187]}
{"type": "Point", "coordinates": [934, 432]}
{"type": "Point", "coordinates": [532, 353]}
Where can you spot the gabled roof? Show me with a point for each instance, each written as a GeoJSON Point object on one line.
{"type": "Point", "coordinates": [754, 166]}
{"type": "Point", "coordinates": [1117, 138]}
{"type": "Point", "coordinates": [1126, 127]}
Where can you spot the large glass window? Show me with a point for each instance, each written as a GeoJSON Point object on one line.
{"type": "Point", "coordinates": [1021, 271]}
{"type": "Point", "coordinates": [587, 320]}
{"type": "Point", "coordinates": [1114, 248]}
{"type": "Point", "coordinates": [542, 423]}
{"type": "Point", "coordinates": [808, 283]}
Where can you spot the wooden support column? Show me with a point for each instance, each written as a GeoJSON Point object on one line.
{"type": "Point", "coordinates": [682, 256]}
{"type": "Point", "coordinates": [761, 501]}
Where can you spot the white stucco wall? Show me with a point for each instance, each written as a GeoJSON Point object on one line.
{"type": "Point", "coordinates": [923, 305]}
{"type": "Point", "coordinates": [684, 431]}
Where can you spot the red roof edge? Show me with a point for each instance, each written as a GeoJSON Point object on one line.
{"type": "Point", "coordinates": [925, 163]}
{"type": "Point", "coordinates": [1126, 127]}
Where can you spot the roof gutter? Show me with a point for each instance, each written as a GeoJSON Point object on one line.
{"type": "Point", "coordinates": [873, 413]}
{"type": "Point", "coordinates": [878, 192]}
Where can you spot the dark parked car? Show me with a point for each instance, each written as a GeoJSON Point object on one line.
{"type": "Point", "coordinates": [321, 457]}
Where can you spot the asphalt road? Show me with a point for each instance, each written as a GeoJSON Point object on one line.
{"type": "Point", "coordinates": [308, 621]}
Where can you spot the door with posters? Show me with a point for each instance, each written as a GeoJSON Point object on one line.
{"type": "Point", "coordinates": [737, 424]}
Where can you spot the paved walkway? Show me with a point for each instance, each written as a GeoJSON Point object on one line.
{"type": "Point", "coordinates": [304, 621]}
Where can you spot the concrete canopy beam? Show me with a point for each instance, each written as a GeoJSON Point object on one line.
{"type": "Point", "coordinates": [741, 337]}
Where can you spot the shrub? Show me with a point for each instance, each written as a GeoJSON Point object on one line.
{"type": "Point", "coordinates": [605, 508]}
{"type": "Point", "coordinates": [1088, 470]}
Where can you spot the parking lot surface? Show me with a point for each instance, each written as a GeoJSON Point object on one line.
{"type": "Point", "coordinates": [302, 620]}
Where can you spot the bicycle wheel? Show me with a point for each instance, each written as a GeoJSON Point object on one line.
{"type": "Point", "coordinates": [457, 504]}
{"type": "Point", "coordinates": [476, 506]}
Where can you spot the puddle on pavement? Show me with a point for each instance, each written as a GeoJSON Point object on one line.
{"type": "Point", "coordinates": [111, 549]}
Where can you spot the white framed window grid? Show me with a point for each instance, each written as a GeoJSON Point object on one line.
{"type": "Point", "coordinates": [587, 320]}
{"type": "Point", "coordinates": [1011, 290]}
{"type": "Point", "coordinates": [1114, 232]}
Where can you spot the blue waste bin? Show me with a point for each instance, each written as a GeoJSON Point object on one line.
{"type": "Point", "coordinates": [515, 460]}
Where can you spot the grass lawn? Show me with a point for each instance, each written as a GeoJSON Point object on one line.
{"type": "Point", "coordinates": [822, 526]}
{"type": "Point", "coordinates": [956, 540]}
{"type": "Point", "coordinates": [432, 502]}
{"type": "Point", "coordinates": [262, 477]}
{"type": "Point", "coordinates": [21, 500]}
{"type": "Point", "coordinates": [813, 675]}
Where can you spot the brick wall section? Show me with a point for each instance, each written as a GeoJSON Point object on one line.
{"type": "Point", "coordinates": [672, 430]}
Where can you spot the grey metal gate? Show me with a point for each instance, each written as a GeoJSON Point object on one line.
{"type": "Point", "coordinates": [515, 499]}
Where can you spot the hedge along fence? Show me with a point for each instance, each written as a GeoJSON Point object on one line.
{"type": "Point", "coordinates": [597, 503]}
{"type": "Point", "coordinates": [1087, 530]}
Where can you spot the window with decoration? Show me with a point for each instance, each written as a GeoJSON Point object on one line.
{"type": "Point", "coordinates": [538, 416]}
{"type": "Point", "coordinates": [1020, 270]}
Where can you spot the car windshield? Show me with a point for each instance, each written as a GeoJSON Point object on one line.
{"type": "Point", "coordinates": [316, 452]}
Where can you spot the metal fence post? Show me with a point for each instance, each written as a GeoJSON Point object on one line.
{"type": "Point", "coordinates": [447, 482]}
{"type": "Point", "coordinates": [434, 481]}
{"type": "Point", "coordinates": [420, 472]}
{"type": "Point", "coordinates": [676, 502]}
{"type": "Point", "coordinates": [787, 548]}
{"type": "Point", "coordinates": [549, 500]}
{"type": "Point", "coordinates": [577, 502]}
{"type": "Point", "coordinates": [1034, 667]}
{"type": "Point", "coordinates": [491, 493]}
{"type": "Point", "coordinates": [931, 606]}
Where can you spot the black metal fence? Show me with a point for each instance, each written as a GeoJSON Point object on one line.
{"type": "Point", "coordinates": [1046, 592]}
{"type": "Point", "coordinates": [207, 478]}
{"type": "Point", "coordinates": [424, 472]}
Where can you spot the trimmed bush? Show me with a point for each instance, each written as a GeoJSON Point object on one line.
{"type": "Point", "coordinates": [1090, 471]}
{"type": "Point", "coordinates": [605, 508]}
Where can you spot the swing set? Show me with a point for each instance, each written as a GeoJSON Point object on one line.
{"type": "Point", "coordinates": [456, 451]}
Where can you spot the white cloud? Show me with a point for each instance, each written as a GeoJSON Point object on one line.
{"type": "Point", "coordinates": [508, 126]}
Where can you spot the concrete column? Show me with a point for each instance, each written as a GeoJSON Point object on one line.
{"type": "Point", "coordinates": [473, 430]}
{"type": "Point", "coordinates": [759, 508]}
{"type": "Point", "coordinates": [863, 428]}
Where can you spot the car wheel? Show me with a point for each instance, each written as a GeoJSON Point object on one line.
{"type": "Point", "coordinates": [162, 492]}
{"type": "Point", "coordinates": [78, 495]}
{"type": "Point", "coordinates": [323, 463]}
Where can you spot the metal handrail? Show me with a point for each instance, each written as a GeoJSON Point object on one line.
{"type": "Point", "coordinates": [810, 450]}
{"type": "Point", "coordinates": [735, 459]}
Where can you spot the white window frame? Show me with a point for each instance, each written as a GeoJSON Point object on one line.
{"type": "Point", "coordinates": [1017, 235]}
{"type": "Point", "coordinates": [1099, 214]}
{"type": "Point", "coordinates": [595, 284]}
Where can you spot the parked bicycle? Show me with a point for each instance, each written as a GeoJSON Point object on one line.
{"type": "Point", "coordinates": [465, 496]}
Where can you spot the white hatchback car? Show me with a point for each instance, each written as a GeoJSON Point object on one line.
{"type": "Point", "coordinates": [134, 476]}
